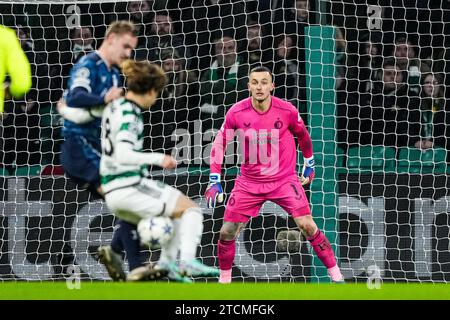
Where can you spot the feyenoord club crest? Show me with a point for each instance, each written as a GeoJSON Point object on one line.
{"type": "Point", "coordinates": [278, 124]}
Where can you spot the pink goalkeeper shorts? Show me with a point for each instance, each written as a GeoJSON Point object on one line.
{"type": "Point", "coordinates": [247, 198]}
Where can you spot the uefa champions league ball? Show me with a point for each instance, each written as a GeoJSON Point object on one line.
{"type": "Point", "coordinates": [155, 232]}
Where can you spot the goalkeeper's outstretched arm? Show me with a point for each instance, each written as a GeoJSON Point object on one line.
{"type": "Point", "coordinates": [214, 192]}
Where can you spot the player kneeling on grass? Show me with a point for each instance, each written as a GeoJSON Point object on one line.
{"type": "Point", "coordinates": [123, 169]}
{"type": "Point", "coordinates": [267, 127]}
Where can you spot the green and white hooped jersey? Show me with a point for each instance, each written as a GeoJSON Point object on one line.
{"type": "Point", "coordinates": [122, 122]}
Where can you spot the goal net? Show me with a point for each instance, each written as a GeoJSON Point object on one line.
{"type": "Point", "coordinates": [368, 78]}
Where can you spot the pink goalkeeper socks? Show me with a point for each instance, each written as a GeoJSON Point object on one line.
{"type": "Point", "coordinates": [225, 276]}
{"type": "Point", "coordinates": [226, 252]}
{"type": "Point", "coordinates": [335, 274]}
{"type": "Point", "coordinates": [322, 248]}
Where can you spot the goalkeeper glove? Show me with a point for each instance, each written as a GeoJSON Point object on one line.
{"type": "Point", "coordinates": [214, 192]}
{"type": "Point", "coordinates": [308, 172]}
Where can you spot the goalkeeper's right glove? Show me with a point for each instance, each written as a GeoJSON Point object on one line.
{"type": "Point", "coordinates": [308, 171]}
{"type": "Point", "coordinates": [214, 192]}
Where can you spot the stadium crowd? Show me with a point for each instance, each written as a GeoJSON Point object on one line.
{"type": "Point", "coordinates": [390, 82]}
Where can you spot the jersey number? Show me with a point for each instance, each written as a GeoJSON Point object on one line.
{"type": "Point", "coordinates": [107, 147]}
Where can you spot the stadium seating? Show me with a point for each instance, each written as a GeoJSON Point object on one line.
{"type": "Point", "coordinates": [371, 159]}
{"type": "Point", "coordinates": [28, 170]}
{"type": "Point", "coordinates": [4, 172]}
{"type": "Point", "coordinates": [52, 170]}
{"type": "Point", "coordinates": [412, 160]}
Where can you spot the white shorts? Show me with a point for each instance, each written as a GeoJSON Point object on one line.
{"type": "Point", "coordinates": [149, 198]}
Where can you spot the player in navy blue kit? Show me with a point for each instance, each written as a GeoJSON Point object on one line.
{"type": "Point", "coordinates": [94, 82]}
{"type": "Point", "coordinates": [92, 85]}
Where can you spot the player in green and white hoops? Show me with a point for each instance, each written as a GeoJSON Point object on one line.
{"type": "Point", "coordinates": [123, 169]}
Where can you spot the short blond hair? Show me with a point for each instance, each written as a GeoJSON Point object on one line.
{"type": "Point", "coordinates": [121, 27]}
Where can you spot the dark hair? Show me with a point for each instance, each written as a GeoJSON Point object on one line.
{"type": "Point", "coordinates": [162, 13]}
{"type": "Point", "coordinates": [261, 69]}
{"type": "Point", "coordinates": [389, 62]}
{"type": "Point", "coordinates": [169, 53]}
{"type": "Point", "coordinates": [401, 39]}
{"type": "Point", "coordinates": [72, 31]}
{"type": "Point", "coordinates": [143, 76]}
{"type": "Point", "coordinates": [280, 38]}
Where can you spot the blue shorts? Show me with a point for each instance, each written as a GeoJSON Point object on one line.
{"type": "Point", "coordinates": [81, 162]}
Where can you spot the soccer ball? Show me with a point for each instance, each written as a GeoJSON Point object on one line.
{"type": "Point", "coordinates": [155, 232]}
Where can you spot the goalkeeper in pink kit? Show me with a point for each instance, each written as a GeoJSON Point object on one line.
{"type": "Point", "coordinates": [266, 127]}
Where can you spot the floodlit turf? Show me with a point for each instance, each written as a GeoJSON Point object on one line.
{"type": "Point", "coordinates": [215, 291]}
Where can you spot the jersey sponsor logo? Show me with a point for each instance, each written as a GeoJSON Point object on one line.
{"type": "Point", "coordinates": [247, 124]}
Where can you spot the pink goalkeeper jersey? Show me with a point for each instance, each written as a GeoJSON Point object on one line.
{"type": "Point", "coordinates": [266, 140]}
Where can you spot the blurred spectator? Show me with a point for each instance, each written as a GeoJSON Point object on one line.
{"type": "Point", "coordinates": [429, 115]}
{"type": "Point", "coordinates": [260, 11]}
{"type": "Point", "coordinates": [384, 116]}
{"type": "Point", "coordinates": [364, 67]}
{"type": "Point", "coordinates": [223, 84]}
{"type": "Point", "coordinates": [409, 63]}
{"type": "Point", "coordinates": [177, 108]}
{"type": "Point", "coordinates": [82, 42]}
{"type": "Point", "coordinates": [341, 57]}
{"type": "Point", "coordinates": [302, 10]}
{"type": "Point", "coordinates": [140, 13]}
{"type": "Point", "coordinates": [258, 49]}
{"type": "Point", "coordinates": [355, 87]}
{"type": "Point", "coordinates": [163, 37]}
{"type": "Point", "coordinates": [21, 132]}
{"type": "Point", "coordinates": [206, 20]}
{"type": "Point", "coordinates": [292, 19]}
{"type": "Point", "coordinates": [285, 70]}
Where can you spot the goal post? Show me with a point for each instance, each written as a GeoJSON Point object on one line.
{"type": "Point", "coordinates": [321, 110]}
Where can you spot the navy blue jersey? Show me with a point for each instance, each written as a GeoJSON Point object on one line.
{"type": "Point", "coordinates": [92, 75]}
{"type": "Point", "coordinates": [90, 79]}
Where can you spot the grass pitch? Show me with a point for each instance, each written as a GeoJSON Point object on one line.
{"type": "Point", "coordinates": [214, 291]}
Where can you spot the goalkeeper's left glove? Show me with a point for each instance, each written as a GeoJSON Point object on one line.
{"type": "Point", "coordinates": [308, 172]}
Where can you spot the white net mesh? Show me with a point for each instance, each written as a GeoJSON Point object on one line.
{"type": "Point", "coordinates": [368, 78]}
